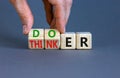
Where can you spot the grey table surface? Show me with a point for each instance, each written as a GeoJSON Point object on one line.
{"type": "Point", "coordinates": [100, 17]}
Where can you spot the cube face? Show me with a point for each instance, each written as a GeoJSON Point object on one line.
{"type": "Point", "coordinates": [68, 41]}
{"type": "Point", "coordinates": [52, 39]}
{"type": "Point", "coordinates": [36, 39]}
{"type": "Point", "coordinates": [84, 40]}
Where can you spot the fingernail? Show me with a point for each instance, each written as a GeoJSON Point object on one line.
{"type": "Point", "coordinates": [25, 29]}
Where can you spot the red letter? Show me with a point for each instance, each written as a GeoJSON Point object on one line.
{"type": "Point", "coordinates": [31, 43]}
{"type": "Point", "coordinates": [49, 43]}
{"type": "Point", "coordinates": [55, 43]}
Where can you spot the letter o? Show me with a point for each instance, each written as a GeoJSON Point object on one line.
{"type": "Point", "coordinates": [50, 35]}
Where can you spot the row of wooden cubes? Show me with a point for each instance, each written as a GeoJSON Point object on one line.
{"type": "Point", "coordinates": [52, 39]}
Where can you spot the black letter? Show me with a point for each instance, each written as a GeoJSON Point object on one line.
{"type": "Point", "coordinates": [67, 41]}
{"type": "Point", "coordinates": [84, 41]}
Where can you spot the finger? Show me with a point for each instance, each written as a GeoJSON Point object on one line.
{"type": "Point", "coordinates": [53, 23]}
{"type": "Point", "coordinates": [68, 9]}
{"type": "Point", "coordinates": [59, 18]}
{"type": "Point", "coordinates": [48, 10]}
{"type": "Point", "coordinates": [25, 14]}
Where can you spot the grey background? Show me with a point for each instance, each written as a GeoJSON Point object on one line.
{"type": "Point", "coordinates": [100, 17]}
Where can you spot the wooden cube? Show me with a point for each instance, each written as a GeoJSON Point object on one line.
{"type": "Point", "coordinates": [68, 40]}
{"type": "Point", "coordinates": [36, 39]}
{"type": "Point", "coordinates": [52, 39]}
{"type": "Point", "coordinates": [84, 40]}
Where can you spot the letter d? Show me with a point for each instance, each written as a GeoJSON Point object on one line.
{"type": "Point", "coordinates": [36, 33]}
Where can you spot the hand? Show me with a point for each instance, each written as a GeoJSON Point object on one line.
{"type": "Point", "coordinates": [57, 13]}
